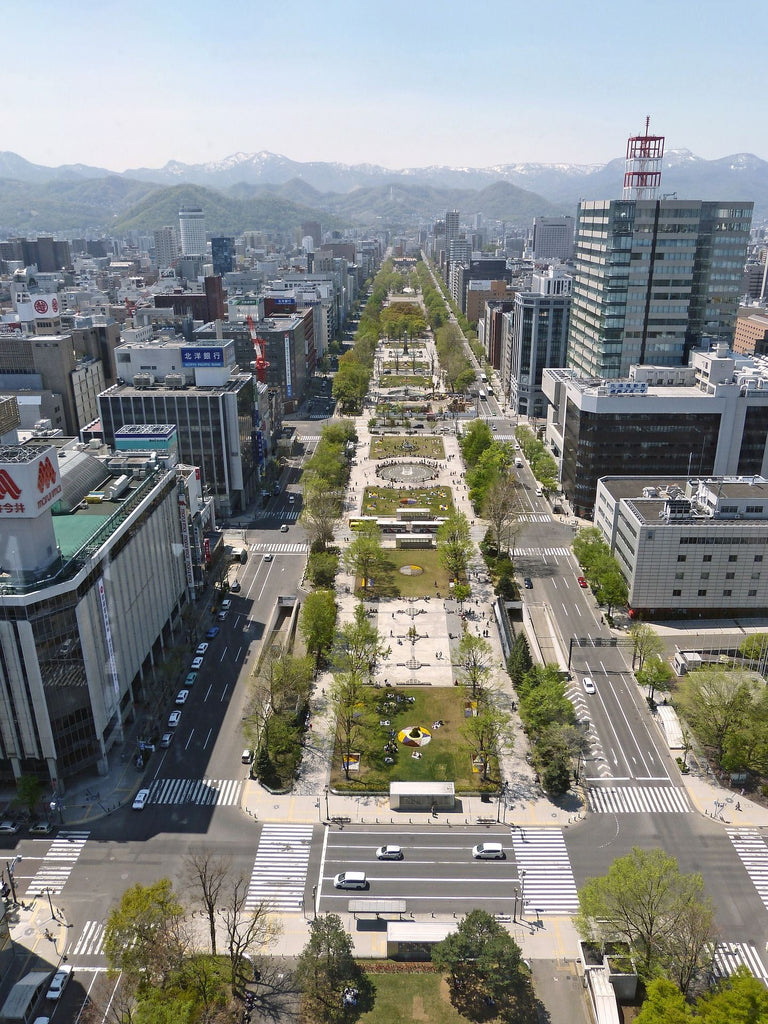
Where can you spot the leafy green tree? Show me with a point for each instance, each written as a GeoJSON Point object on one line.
{"type": "Point", "coordinates": [485, 967]}
{"type": "Point", "coordinates": [588, 545]}
{"type": "Point", "coordinates": [320, 512]}
{"type": "Point", "coordinates": [546, 705]}
{"type": "Point", "coordinates": [489, 469]}
{"type": "Point", "coordinates": [489, 733]}
{"type": "Point", "coordinates": [454, 544]}
{"type": "Point", "coordinates": [29, 792]}
{"type": "Point", "coordinates": [359, 645]}
{"type": "Point", "coordinates": [612, 589]}
{"type": "Point", "coordinates": [350, 385]}
{"type": "Point", "coordinates": [366, 557]}
{"type": "Point", "coordinates": [464, 381]}
{"type": "Point", "coordinates": [349, 701]}
{"type": "Point", "coordinates": [322, 567]}
{"type": "Point", "coordinates": [716, 704]}
{"type": "Point", "coordinates": [519, 660]}
{"type": "Point", "coordinates": [325, 967]}
{"type": "Point", "coordinates": [645, 901]}
{"type": "Point", "coordinates": [664, 1004]}
{"type": "Point", "coordinates": [739, 999]}
{"type": "Point", "coordinates": [477, 437]}
{"type": "Point", "coordinates": [646, 641]}
{"type": "Point", "coordinates": [556, 774]}
{"type": "Point", "coordinates": [474, 660]}
{"type": "Point", "coordinates": [318, 621]}
{"type": "Point", "coordinates": [655, 674]}
{"type": "Point", "coordinates": [755, 649]}
{"type": "Point", "coordinates": [144, 934]}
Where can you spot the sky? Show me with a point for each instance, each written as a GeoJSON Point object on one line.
{"type": "Point", "coordinates": [406, 83]}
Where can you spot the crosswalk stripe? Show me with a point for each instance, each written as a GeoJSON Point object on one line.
{"type": "Point", "coordinates": [638, 800]}
{"type": "Point", "coordinates": [205, 792]}
{"type": "Point", "coordinates": [730, 955]}
{"type": "Point", "coordinates": [534, 517]}
{"type": "Point", "coordinates": [548, 883]}
{"type": "Point", "coordinates": [57, 864]}
{"type": "Point", "coordinates": [538, 552]}
{"type": "Point", "coordinates": [91, 941]}
{"type": "Point", "coordinates": [279, 549]}
{"type": "Point", "coordinates": [280, 868]}
{"type": "Point", "coordinates": [753, 854]}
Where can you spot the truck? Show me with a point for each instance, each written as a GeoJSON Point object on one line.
{"type": "Point", "coordinates": [240, 555]}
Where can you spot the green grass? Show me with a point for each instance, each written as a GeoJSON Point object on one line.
{"type": "Point", "coordinates": [405, 363]}
{"type": "Point", "coordinates": [447, 758]}
{"type": "Point", "coordinates": [392, 583]}
{"type": "Point", "coordinates": [411, 998]}
{"type": "Point", "coordinates": [424, 447]}
{"type": "Point", "coordinates": [382, 501]}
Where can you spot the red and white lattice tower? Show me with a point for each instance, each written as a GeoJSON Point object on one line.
{"type": "Point", "coordinates": [642, 174]}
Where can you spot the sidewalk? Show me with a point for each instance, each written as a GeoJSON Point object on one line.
{"type": "Point", "coordinates": [38, 941]}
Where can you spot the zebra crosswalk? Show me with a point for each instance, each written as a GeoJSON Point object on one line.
{"type": "Point", "coordinates": [638, 800]}
{"type": "Point", "coordinates": [90, 941]}
{"type": "Point", "coordinates": [730, 955]}
{"type": "Point", "coordinates": [280, 549]}
{"type": "Point", "coordinates": [280, 869]}
{"type": "Point", "coordinates": [538, 552]}
{"type": "Point", "coordinates": [753, 854]}
{"type": "Point", "coordinates": [205, 792]}
{"type": "Point", "coordinates": [544, 868]}
{"type": "Point", "coordinates": [57, 864]}
{"type": "Point", "coordinates": [534, 517]}
{"type": "Point", "coordinates": [289, 515]}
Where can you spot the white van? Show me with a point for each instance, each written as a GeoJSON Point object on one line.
{"type": "Point", "coordinates": [518, 462]}
{"type": "Point", "coordinates": [488, 851]}
{"type": "Point", "coordinates": [350, 880]}
{"type": "Point", "coordinates": [539, 492]}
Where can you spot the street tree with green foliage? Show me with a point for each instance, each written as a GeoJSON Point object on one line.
{"type": "Point", "coordinates": [349, 701]}
{"type": "Point", "coordinates": [646, 642]}
{"type": "Point", "coordinates": [489, 733]}
{"type": "Point", "coordinates": [359, 645]}
{"type": "Point", "coordinates": [717, 705]}
{"type": "Point", "coordinates": [492, 466]}
{"type": "Point", "coordinates": [144, 936]}
{"type": "Point", "coordinates": [476, 438]}
{"type": "Point", "coordinates": [454, 544]}
{"type": "Point", "coordinates": [519, 661]}
{"type": "Point", "coordinates": [325, 967]}
{"type": "Point", "coordinates": [317, 622]}
{"type": "Point", "coordinates": [755, 649]}
{"type": "Point", "coordinates": [320, 512]}
{"type": "Point", "coordinates": [663, 915]}
{"type": "Point", "coordinates": [366, 556]}
{"type": "Point", "coordinates": [664, 1004]}
{"type": "Point", "coordinates": [474, 660]}
{"type": "Point", "coordinates": [29, 792]}
{"type": "Point", "coordinates": [485, 968]}
{"type": "Point", "coordinates": [350, 384]}
{"type": "Point", "coordinates": [655, 674]}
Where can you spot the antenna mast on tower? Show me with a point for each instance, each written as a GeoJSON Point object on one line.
{"type": "Point", "coordinates": [642, 174]}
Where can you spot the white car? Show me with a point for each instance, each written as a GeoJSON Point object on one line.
{"type": "Point", "coordinates": [201, 649]}
{"type": "Point", "coordinates": [589, 685]}
{"type": "Point", "coordinates": [173, 719]}
{"type": "Point", "coordinates": [140, 800]}
{"type": "Point", "coordinates": [60, 979]}
{"type": "Point", "coordinates": [226, 604]}
{"type": "Point", "coordinates": [197, 664]}
{"type": "Point", "coordinates": [182, 696]}
{"type": "Point", "coordinates": [166, 740]}
{"type": "Point", "coordinates": [9, 828]}
{"type": "Point", "coordinates": [268, 557]}
{"type": "Point", "coordinates": [389, 853]}
{"type": "Point", "coordinates": [291, 498]}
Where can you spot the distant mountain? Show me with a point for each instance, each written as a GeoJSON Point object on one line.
{"type": "Point", "coordinates": [277, 191]}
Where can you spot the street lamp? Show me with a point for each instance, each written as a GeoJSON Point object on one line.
{"type": "Point", "coordinates": [327, 812]}
{"type": "Point", "coordinates": [48, 892]}
{"type": "Point", "coordinates": [502, 798]}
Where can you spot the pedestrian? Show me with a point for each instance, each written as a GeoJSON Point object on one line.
{"type": "Point", "coordinates": [738, 806]}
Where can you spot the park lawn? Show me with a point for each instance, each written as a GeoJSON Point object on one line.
{"type": "Point", "coordinates": [405, 997]}
{"type": "Point", "coordinates": [400, 380]}
{"type": "Point", "coordinates": [392, 447]}
{"type": "Point", "coordinates": [423, 585]}
{"type": "Point", "coordinates": [447, 758]}
{"type": "Point", "coordinates": [382, 501]}
{"type": "Point", "coordinates": [407, 364]}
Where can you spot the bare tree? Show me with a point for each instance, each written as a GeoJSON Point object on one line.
{"type": "Point", "coordinates": [322, 508]}
{"type": "Point", "coordinates": [499, 510]}
{"type": "Point", "coordinates": [208, 876]}
{"type": "Point", "coordinates": [247, 930]}
{"type": "Point", "coordinates": [347, 698]}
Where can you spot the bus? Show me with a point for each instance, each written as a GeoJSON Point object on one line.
{"type": "Point", "coordinates": [484, 378]}
{"type": "Point", "coordinates": [358, 522]}
{"type": "Point", "coordinates": [481, 393]}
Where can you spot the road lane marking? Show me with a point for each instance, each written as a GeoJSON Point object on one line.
{"type": "Point", "coordinates": [224, 693]}
{"type": "Point", "coordinates": [205, 742]}
{"type": "Point", "coordinates": [208, 693]}
{"type": "Point", "coordinates": [186, 745]}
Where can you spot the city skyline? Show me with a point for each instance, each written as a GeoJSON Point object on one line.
{"type": "Point", "coordinates": [420, 86]}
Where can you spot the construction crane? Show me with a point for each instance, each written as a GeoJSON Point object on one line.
{"type": "Point", "coordinates": [260, 348]}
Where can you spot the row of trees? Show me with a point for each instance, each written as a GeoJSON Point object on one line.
{"type": "Point", "coordinates": [492, 484]}
{"type": "Point", "coordinates": [543, 465]}
{"type": "Point", "coordinates": [557, 743]}
{"type": "Point", "coordinates": [324, 482]}
{"type": "Point", "coordinates": [600, 568]}
{"type": "Point", "coordinates": [150, 937]}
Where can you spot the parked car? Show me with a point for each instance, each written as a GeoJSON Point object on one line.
{"type": "Point", "coordinates": [9, 828]}
{"type": "Point", "coordinates": [234, 587]}
{"type": "Point", "coordinates": [212, 633]}
{"type": "Point", "coordinates": [140, 800]}
{"type": "Point", "coordinates": [581, 581]}
{"type": "Point", "coordinates": [201, 649]}
{"type": "Point", "coordinates": [190, 680]}
{"type": "Point", "coordinates": [173, 719]}
{"type": "Point", "coordinates": [40, 828]}
{"type": "Point", "coordinates": [166, 740]}
{"type": "Point", "coordinates": [197, 663]}
{"type": "Point", "coordinates": [226, 604]}
{"type": "Point", "coordinates": [182, 697]}
{"type": "Point", "coordinates": [221, 616]}
{"type": "Point", "coordinates": [60, 979]}
{"type": "Point", "coordinates": [528, 583]}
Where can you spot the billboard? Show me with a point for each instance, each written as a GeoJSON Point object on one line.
{"type": "Point", "coordinates": [288, 381]}
{"type": "Point", "coordinates": [27, 489]}
{"type": "Point", "coordinates": [202, 356]}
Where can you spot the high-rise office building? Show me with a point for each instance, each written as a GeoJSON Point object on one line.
{"type": "Point", "coordinates": [654, 278]}
{"type": "Point", "coordinates": [192, 230]}
{"type": "Point", "coordinates": [166, 247]}
{"type": "Point", "coordinates": [451, 227]}
{"type": "Point", "coordinates": [222, 255]}
{"type": "Point", "coordinates": [553, 238]}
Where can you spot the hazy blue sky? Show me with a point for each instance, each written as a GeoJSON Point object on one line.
{"type": "Point", "coordinates": [468, 83]}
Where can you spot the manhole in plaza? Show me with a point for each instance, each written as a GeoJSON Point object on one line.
{"type": "Point", "coordinates": [411, 570]}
